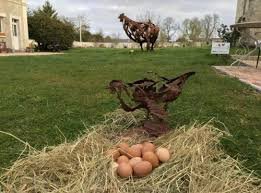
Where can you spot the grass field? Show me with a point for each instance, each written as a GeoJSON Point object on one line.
{"type": "Point", "coordinates": [46, 97]}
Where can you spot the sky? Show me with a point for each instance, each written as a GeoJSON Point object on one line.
{"type": "Point", "coordinates": [103, 14]}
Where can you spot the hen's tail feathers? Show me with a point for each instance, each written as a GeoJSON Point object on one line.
{"type": "Point", "coordinates": [180, 80]}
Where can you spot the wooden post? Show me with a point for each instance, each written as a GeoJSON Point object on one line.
{"type": "Point", "coordinates": [258, 57]}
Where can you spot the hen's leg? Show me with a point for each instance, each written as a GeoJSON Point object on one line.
{"type": "Point", "coordinates": [148, 45]}
{"type": "Point", "coordinates": [152, 46]}
{"type": "Point", "coordinates": [141, 46]}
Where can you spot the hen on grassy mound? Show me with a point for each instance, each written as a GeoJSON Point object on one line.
{"type": "Point", "coordinates": [197, 164]}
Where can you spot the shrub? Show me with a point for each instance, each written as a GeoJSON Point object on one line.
{"type": "Point", "coordinates": [228, 35]}
{"type": "Point", "coordinates": [51, 33]}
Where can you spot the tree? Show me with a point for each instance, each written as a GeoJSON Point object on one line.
{"type": "Point", "coordinates": [81, 24]}
{"type": "Point", "coordinates": [85, 32]}
{"type": "Point", "coordinates": [48, 31]}
{"type": "Point", "coordinates": [191, 28]}
{"type": "Point", "coordinates": [181, 39]}
{"type": "Point", "coordinates": [107, 39]}
{"type": "Point", "coordinates": [228, 35]}
{"type": "Point", "coordinates": [97, 37]}
{"type": "Point", "coordinates": [149, 16]}
{"type": "Point", "coordinates": [169, 28]}
{"type": "Point", "coordinates": [47, 10]}
{"type": "Point", "coordinates": [209, 26]}
{"type": "Point", "coordinates": [115, 37]}
{"type": "Point", "coordinates": [162, 36]}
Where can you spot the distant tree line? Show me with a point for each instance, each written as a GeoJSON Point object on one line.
{"type": "Point", "coordinates": [54, 33]}
{"type": "Point", "coordinates": [87, 36]}
{"type": "Point", "coordinates": [191, 29]}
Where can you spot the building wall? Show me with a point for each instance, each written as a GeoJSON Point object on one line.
{"type": "Point", "coordinates": [249, 11]}
{"type": "Point", "coordinates": [15, 9]}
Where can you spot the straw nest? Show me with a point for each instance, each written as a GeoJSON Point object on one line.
{"type": "Point", "coordinates": [197, 165]}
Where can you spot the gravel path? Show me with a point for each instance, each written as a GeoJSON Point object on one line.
{"type": "Point", "coordinates": [246, 74]}
{"type": "Point", "coordinates": [30, 54]}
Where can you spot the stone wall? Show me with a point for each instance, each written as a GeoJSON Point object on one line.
{"type": "Point", "coordinates": [104, 45]}
{"type": "Point", "coordinates": [249, 11]}
{"type": "Point", "coordinates": [130, 45]}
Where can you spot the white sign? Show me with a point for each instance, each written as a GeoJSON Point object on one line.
{"type": "Point", "coordinates": [220, 48]}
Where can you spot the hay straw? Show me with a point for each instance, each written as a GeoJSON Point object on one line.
{"type": "Point", "coordinates": [197, 165]}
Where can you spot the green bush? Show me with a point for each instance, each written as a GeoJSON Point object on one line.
{"type": "Point", "coordinates": [50, 32]}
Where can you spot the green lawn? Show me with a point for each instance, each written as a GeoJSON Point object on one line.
{"type": "Point", "coordinates": [42, 96]}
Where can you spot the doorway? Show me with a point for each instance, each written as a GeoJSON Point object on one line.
{"type": "Point", "coordinates": [15, 34]}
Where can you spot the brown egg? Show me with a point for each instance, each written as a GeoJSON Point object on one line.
{"type": "Point", "coordinates": [124, 170]}
{"type": "Point", "coordinates": [122, 159]}
{"type": "Point", "coordinates": [123, 148]}
{"type": "Point", "coordinates": [142, 168]}
{"type": "Point", "coordinates": [135, 160]}
{"type": "Point", "coordinates": [138, 146]}
{"type": "Point", "coordinates": [152, 158]}
{"type": "Point", "coordinates": [147, 146]}
{"type": "Point", "coordinates": [134, 152]}
{"type": "Point", "coordinates": [114, 153]}
{"type": "Point", "coordinates": [163, 154]}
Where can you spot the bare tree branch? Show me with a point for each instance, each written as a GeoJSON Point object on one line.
{"type": "Point", "coordinates": [191, 28]}
{"type": "Point", "coordinates": [149, 16]}
{"type": "Point", "coordinates": [209, 26]}
{"type": "Point", "coordinates": [169, 28]}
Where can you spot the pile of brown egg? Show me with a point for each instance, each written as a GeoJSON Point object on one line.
{"type": "Point", "coordinates": [138, 160]}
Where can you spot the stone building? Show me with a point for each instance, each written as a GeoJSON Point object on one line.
{"type": "Point", "coordinates": [13, 25]}
{"type": "Point", "coordinates": [249, 11]}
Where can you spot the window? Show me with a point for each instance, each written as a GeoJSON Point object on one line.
{"type": "Point", "coordinates": [15, 30]}
{"type": "Point", "coordinates": [15, 27]}
{"type": "Point", "coordinates": [1, 25]}
{"type": "Point", "coordinates": [15, 20]}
